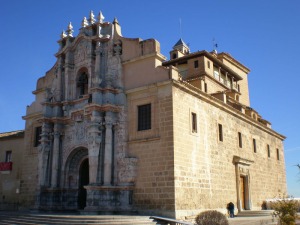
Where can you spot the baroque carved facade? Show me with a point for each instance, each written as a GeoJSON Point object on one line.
{"type": "Point", "coordinates": [117, 127]}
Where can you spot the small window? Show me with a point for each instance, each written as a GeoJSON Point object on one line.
{"type": "Point", "coordinates": [144, 117]}
{"type": "Point", "coordinates": [208, 64]}
{"type": "Point", "coordinates": [254, 145]}
{"type": "Point", "coordinates": [37, 136]}
{"type": "Point", "coordinates": [196, 64]}
{"type": "Point", "coordinates": [220, 132]}
{"type": "Point", "coordinates": [8, 155]}
{"type": "Point", "coordinates": [174, 56]}
{"type": "Point", "coordinates": [205, 87]}
{"type": "Point", "coordinates": [268, 149]}
{"type": "Point", "coordinates": [194, 122]}
{"type": "Point", "coordinates": [278, 156]}
{"type": "Point", "coordinates": [238, 87]}
{"type": "Point", "coordinates": [240, 139]}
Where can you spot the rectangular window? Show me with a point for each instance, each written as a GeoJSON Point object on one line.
{"type": "Point", "coordinates": [220, 132]}
{"type": "Point", "coordinates": [144, 117]}
{"type": "Point", "coordinates": [194, 122]}
{"type": "Point", "coordinates": [278, 157]}
{"type": "Point", "coordinates": [216, 75]}
{"type": "Point", "coordinates": [8, 155]}
{"type": "Point", "coordinates": [37, 136]}
{"type": "Point", "coordinates": [268, 149]}
{"type": "Point", "coordinates": [208, 64]}
{"type": "Point", "coordinates": [254, 145]}
{"type": "Point", "coordinates": [196, 64]}
{"type": "Point", "coordinates": [240, 140]}
{"type": "Point", "coordinates": [205, 87]}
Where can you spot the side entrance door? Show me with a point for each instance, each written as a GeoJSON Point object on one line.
{"type": "Point", "coordinates": [242, 191]}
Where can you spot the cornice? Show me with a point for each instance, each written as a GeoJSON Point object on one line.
{"type": "Point", "coordinates": [225, 107]}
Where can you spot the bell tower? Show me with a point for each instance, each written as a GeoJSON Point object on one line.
{"type": "Point", "coordinates": [179, 49]}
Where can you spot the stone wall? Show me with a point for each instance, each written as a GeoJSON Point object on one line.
{"type": "Point", "coordinates": [205, 176]}
{"type": "Point", "coordinates": [154, 188]}
{"type": "Point", "coordinates": [29, 164]}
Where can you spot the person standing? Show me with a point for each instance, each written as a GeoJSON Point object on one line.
{"type": "Point", "coordinates": [231, 209]}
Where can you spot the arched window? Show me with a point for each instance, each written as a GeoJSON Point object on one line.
{"type": "Point", "coordinates": [82, 84]}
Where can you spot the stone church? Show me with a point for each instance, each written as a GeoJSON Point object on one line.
{"type": "Point", "coordinates": [118, 127]}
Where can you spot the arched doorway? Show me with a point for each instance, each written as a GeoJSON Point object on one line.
{"type": "Point", "coordinates": [83, 181]}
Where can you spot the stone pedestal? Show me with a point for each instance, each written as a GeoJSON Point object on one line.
{"type": "Point", "coordinates": [57, 199]}
{"type": "Point", "coordinates": [109, 199]}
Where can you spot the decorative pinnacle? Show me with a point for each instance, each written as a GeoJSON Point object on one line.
{"type": "Point", "coordinates": [92, 17]}
{"type": "Point", "coordinates": [70, 30]}
{"type": "Point", "coordinates": [115, 21]}
{"type": "Point", "coordinates": [100, 17]}
{"type": "Point", "coordinates": [84, 22]}
{"type": "Point", "coordinates": [63, 34]}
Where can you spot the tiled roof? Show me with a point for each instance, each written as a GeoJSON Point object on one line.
{"type": "Point", "coordinates": [17, 133]}
{"type": "Point", "coordinates": [180, 42]}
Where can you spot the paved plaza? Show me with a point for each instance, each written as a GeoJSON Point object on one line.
{"type": "Point", "coordinates": [34, 218]}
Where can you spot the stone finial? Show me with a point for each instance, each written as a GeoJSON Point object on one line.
{"type": "Point", "coordinates": [100, 17]}
{"type": "Point", "coordinates": [92, 18]}
{"type": "Point", "coordinates": [70, 30]}
{"type": "Point", "coordinates": [115, 21]}
{"type": "Point", "coordinates": [84, 22]}
{"type": "Point", "coordinates": [63, 34]}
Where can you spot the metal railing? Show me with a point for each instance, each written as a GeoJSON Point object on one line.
{"type": "Point", "coordinates": [168, 221]}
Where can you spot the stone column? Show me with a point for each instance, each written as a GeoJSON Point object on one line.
{"type": "Point", "coordinates": [108, 149]}
{"type": "Point", "coordinates": [94, 141]}
{"type": "Point", "coordinates": [44, 149]}
{"type": "Point", "coordinates": [202, 85]}
{"type": "Point", "coordinates": [55, 156]}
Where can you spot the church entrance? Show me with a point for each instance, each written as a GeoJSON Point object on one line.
{"type": "Point", "coordinates": [83, 181]}
{"type": "Point", "coordinates": [242, 171]}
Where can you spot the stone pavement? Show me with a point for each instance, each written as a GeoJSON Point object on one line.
{"type": "Point", "coordinates": [256, 220]}
{"type": "Point", "coordinates": [24, 218]}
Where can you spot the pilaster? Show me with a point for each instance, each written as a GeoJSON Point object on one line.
{"type": "Point", "coordinates": [94, 142]}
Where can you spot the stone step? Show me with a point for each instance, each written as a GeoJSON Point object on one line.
{"type": "Point", "coordinates": [252, 213]}
{"type": "Point", "coordinates": [24, 218]}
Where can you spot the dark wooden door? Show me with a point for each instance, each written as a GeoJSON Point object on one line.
{"type": "Point", "coordinates": [242, 191]}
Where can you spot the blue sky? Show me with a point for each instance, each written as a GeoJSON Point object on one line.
{"type": "Point", "coordinates": [263, 35]}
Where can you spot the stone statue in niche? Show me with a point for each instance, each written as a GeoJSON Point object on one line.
{"type": "Point", "coordinates": [52, 94]}
{"type": "Point", "coordinates": [79, 131]}
{"type": "Point", "coordinates": [81, 51]}
{"type": "Point", "coordinates": [117, 47]}
{"type": "Point", "coordinates": [115, 67]}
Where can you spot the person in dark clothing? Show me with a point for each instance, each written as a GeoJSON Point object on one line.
{"type": "Point", "coordinates": [230, 207]}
